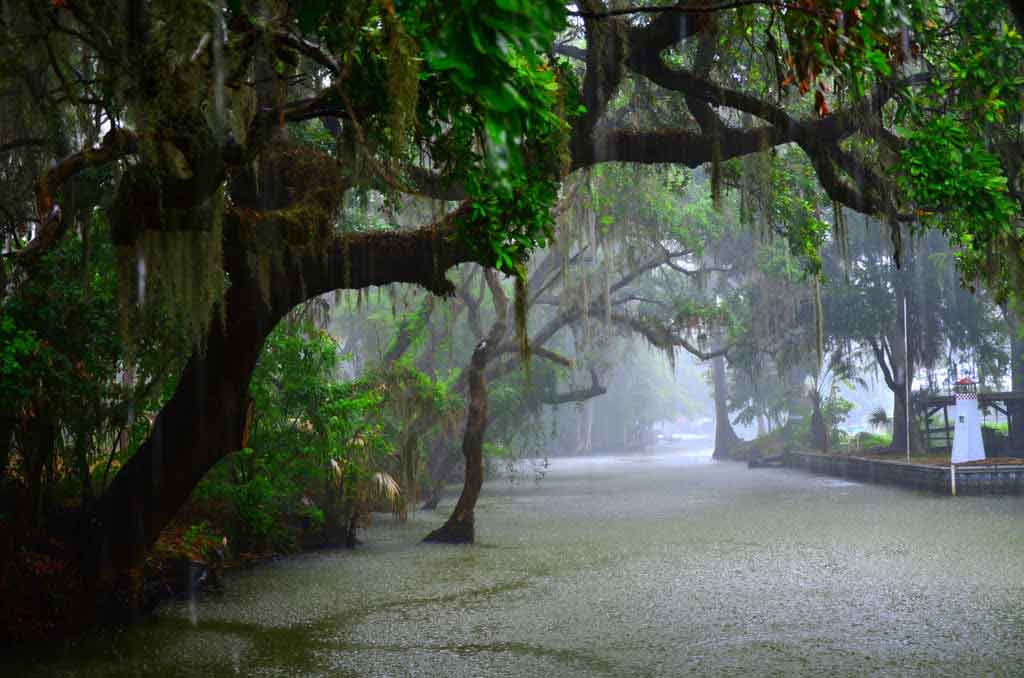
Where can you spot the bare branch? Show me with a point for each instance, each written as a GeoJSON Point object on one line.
{"type": "Point", "coordinates": [579, 395]}
{"type": "Point", "coordinates": [117, 144]}
{"type": "Point", "coordinates": [697, 271]}
{"type": "Point", "coordinates": [552, 356]}
{"type": "Point", "coordinates": [664, 337]}
{"type": "Point", "coordinates": [310, 50]}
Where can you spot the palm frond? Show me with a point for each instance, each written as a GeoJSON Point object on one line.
{"type": "Point", "coordinates": [384, 486]}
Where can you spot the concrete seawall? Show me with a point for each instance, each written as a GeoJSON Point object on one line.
{"type": "Point", "coordinates": [970, 480]}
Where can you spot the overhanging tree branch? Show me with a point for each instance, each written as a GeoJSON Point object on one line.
{"type": "Point", "coordinates": [579, 395]}
{"type": "Point", "coordinates": [685, 8]}
{"type": "Point", "coordinates": [117, 144]}
{"type": "Point", "coordinates": [664, 337]}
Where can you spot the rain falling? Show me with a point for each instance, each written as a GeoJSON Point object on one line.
{"type": "Point", "coordinates": [519, 338]}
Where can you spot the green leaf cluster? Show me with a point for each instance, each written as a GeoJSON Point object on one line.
{"type": "Point", "coordinates": [959, 187]}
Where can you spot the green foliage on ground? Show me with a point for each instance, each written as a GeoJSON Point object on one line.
{"type": "Point", "coordinates": [322, 451]}
{"type": "Point", "coordinates": [74, 412]}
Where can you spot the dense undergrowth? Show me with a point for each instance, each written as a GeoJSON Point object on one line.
{"type": "Point", "coordinates": [321, 452]}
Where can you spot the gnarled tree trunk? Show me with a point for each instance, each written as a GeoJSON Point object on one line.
{"type": "Point", "coordinates": [458, 529]}
{"type": "Point", "coordinates": [902, 370]}
{"type": "Point", "coordinates": [6, 435]}
{"type": "Point", "coordinates": [202, 422]}
{"type": "Point", "coordinates": [1016, 407]}
{"type": "Point", "coordinates": [726, 439]}
{"type": "Point", "coordinates": [819, 432]}
{"type": "Point", "coordinates": [205, 418]}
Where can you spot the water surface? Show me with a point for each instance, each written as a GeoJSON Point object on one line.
{"type": "Point", "coordinates": [655, 564]}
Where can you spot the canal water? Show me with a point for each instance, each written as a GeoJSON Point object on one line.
{"type": "Point", "coordinates": [653, 564]}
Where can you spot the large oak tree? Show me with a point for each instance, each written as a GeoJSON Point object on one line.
{"type": "Point", "coordinates": [233, 135]}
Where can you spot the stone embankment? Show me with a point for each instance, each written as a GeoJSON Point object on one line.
{"type": "Point", "coordinates": [970, 480]}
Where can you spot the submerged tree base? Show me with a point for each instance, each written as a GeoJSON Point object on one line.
{"type": "Point", "coordinates": [460, 532]}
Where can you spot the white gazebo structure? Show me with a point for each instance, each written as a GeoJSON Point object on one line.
{"type": "Point", "coordinates": [967, 442]}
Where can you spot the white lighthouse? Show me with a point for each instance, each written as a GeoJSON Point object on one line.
{"type": "Point", "coordinates": [967, 443]}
